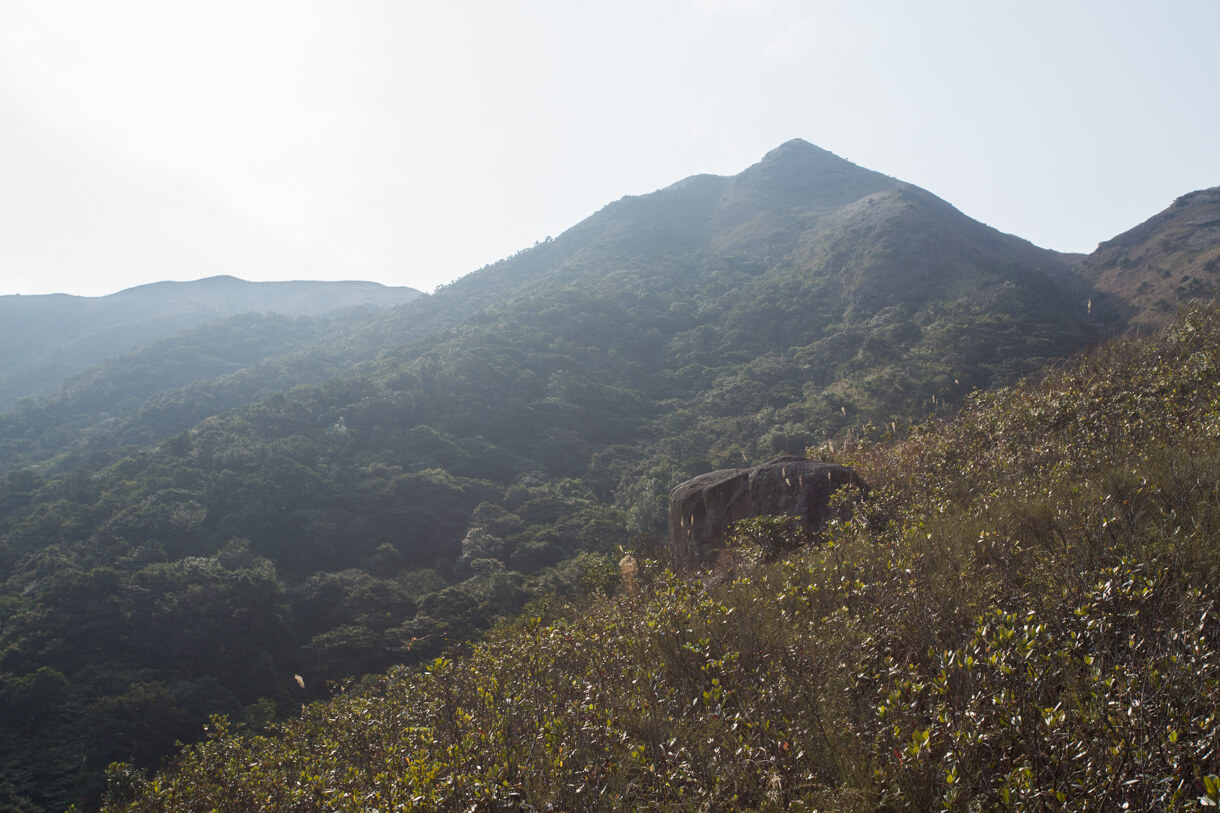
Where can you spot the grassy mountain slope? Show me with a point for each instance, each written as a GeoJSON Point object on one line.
{"type": "Point", "coordinates": [1168, 260]}
{"type": "Point", "coordinates": [1022, 616]}
{"type": "Point", "coordinates": [48, 338]}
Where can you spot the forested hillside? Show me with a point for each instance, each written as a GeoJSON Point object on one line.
{"type": "Point", "coordinates": [47, 338]}
{"type": "Point", "coordinates": [1021, 617]}
{"type": "Point", "coordinates": [188, 527]}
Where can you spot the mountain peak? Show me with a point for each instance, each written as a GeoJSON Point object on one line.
{"type": "Point", "coordinates": [798, 151]}
{"type": "Point", "coordinates": [807, 175]}
{"type": "Point", "coordinates": [796, 146]}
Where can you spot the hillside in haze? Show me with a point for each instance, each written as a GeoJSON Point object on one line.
{"type": "Point", "coordinates": [191, 524]}
{"type": "Point", "coordinates": [169, 385]}
{"type": "Point", "coordinates": [46, 338]}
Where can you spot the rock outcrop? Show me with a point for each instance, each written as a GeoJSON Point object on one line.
{"type": "Point", "coordinates": [702, 509]}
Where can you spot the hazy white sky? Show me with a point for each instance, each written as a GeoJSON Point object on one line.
{"type": "Point", "coordinates": [411, 142]}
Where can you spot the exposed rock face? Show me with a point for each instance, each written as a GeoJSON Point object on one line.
{"type": "Point", "coordinates": [702, 508]}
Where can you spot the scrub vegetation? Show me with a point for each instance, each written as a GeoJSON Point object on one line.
{"type": "Point", "coordinates": [1023, 616]}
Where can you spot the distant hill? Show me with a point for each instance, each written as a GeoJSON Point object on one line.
{"type": "Point", "coordinates": [46, 338]}
{"type": "Point", "coordinates": [190, 524]}
{"type": "Point", "coordinates": [168, 385]}
{"type": "Point", "coordinates": [1162, 263]}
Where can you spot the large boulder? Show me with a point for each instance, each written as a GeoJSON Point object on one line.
{"type": "Point", "coordinates": [702, 509]}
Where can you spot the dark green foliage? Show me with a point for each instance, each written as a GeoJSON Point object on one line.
{"type": "Point", "coordinates": [1021, 617]}
{"type": "Point", "coordinates": [774, 536]}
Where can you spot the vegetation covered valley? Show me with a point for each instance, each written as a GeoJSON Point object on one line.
{"type": "Point", "coordinates": [1022, 617]}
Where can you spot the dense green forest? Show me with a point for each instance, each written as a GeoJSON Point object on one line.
{"type": "Point", "coordinates": [207, 522]}
{"type": "Point", "coordinates": [1021, 617]}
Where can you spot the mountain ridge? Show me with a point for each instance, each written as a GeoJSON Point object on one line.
{"type": "Point", "coordinates": [48, 337]}
{"type": "Point", "coordinates": [1157, 265]}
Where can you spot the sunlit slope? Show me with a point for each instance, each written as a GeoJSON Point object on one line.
{"type": "Point", "coordinates": [1168, 260]}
